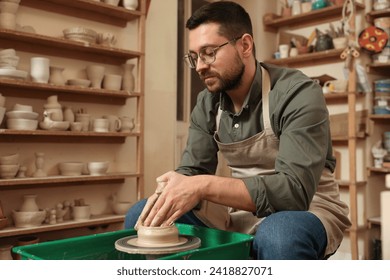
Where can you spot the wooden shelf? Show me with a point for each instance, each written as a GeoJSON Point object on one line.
{"type": "Point", "coordinates": [378, 170]}
{"type": "Point", "coordinates": [377, 14]}
{"type": "Point", "coordinates": [380, 118]}
{"type": "Point", "coordinates": [347, 184]}
{"type": "Point", "coordinates": [42, 44]}
{"type": "Point", "coordinates": [52, 181]}
{"type": "Point", "coordinates": [327, 56]}
{"type": "Point", "coordinates": [10, 135]}
{"type": "Point", "coordinates": [94, 221]}
{"type": "Point", "coordinates": [87, 9]}
{"type": "Point", "coordinates": [341, 96]}
{"type": "Point", "coordinates": [28, 89]}
{"type": "Point", "coordinates": [374, 221]}
{"type": "Point", "coordinates": [378, 67]}
{"type": "Point", "coordinates": [310, 18]}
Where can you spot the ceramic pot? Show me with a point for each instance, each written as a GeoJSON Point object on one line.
{"type": "Point", "coordinates": [7, 20]}
{"type": "Point", "coordinates": [56, 77]}
{"type": "Point", "coordinates": [40, 69]}
{"type": "Point", "coordinates": [324, 42]}
{"type": "Point", "coordinates": [112, 82]}
{"type": "Point", "coordinates": [128, 80]}
{"type": "Point", "coordinates": [95, 73]}
{"type": "Point", "coordinates": [84, 119]}
{"type": "Point", "coordinates": [39, 163]}
{"type": "Point", "coordinates": [130, 4]}
{"type": "Point", "coordinates": [29, 203]}
{"type": "Point", "coordinates": [155, 236]}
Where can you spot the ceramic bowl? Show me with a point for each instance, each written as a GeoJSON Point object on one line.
{"type": "Point", "coordinates": [111, 2]}
{"type": "Point", "coordinates": [22, 107]}
{"type": "Point", "coordinates": [121, 207]}
{"type": "Point", "coordinates": [98, 167]}
{"type": "Point", "coordinates": [22, 124]}
{"type": "Point", "coordinates": [8, 171]}
{"type": "Point", "coordinates": [76, 126]}
{"type": "Point", "coordinates": [3, 222]}
{"type": "Point", "coordinates": [54, 125]}
{"type": "Point", "coordinates": [9, 61]}
{"type": "Point", "coordinates": [70, 168]}
{"type": "Point", "coordinates": [9, 159]}
{"type": "Point", "coordinates": [11, 52]}
{"type": "Point", "coordinates": [81, 213]}
{"type": "Point", "coordinates": [22, 115]}
{"type": "Point", "coordinates": [80, 34]}
{"type": "Point", "coordinates": [340, 42]}
{"type": "Point", "coordinates": [79, 82]}
{"type": "Point", "coordinates": [28, 219]}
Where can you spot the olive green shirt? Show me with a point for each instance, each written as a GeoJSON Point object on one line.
{"type": "Point", "coordinates": [299, 118]}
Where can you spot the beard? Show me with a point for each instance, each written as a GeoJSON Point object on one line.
{"type": "Point", "coordinates": [231, 79]}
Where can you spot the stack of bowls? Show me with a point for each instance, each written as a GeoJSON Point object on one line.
{"type": "Point", "coordinates": [80, 34]}
{"type": "Point", "coordinates": [9, 166]}
{"type": "Point", "coordinates": [22, 117]}
{"type": "Point", "coordinates": [8, 59]}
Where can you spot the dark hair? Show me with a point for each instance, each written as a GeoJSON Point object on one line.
{"type": "Point", "coordinates": [234, 21]}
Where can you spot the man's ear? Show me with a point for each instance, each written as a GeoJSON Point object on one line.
{"type": "Point", "coordinates": [247, 45]}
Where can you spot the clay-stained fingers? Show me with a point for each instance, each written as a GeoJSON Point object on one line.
{"type": "Point", "coordinates": [145, 212]}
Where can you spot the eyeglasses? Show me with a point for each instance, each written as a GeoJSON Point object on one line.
{"type": "Point", "coordinates": [206, 54]}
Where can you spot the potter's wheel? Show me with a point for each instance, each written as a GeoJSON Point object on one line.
{"type": "Point", "coordinates": [130, 245]}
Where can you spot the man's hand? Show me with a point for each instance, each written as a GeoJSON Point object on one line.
{"type": "Point", "coordinates": [180, 194]}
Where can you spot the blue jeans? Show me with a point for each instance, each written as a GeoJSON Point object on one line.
{"type": "Point", "coordinates": [285, 235]}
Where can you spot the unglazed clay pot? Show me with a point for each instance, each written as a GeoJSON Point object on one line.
{"type": "Point", "coordinates": [130, 4]}
{"type": "Point", "coordinates": [95, 73]}
{"type": "Point", "coordinates": [158, 236]}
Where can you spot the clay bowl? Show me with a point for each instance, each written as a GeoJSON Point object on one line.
{"type": "Point", "coordinates": [158, 236]}
{"type": "Point", "coordinates": [9, 61]}
{"type": "Point", "coordinates": [9, 159]}
{"type": "Point", "coordinates": [22, 115]}
{"type": "Point", "coordinates": [70, 168]}
{"type": "Point", "coordinates": [97, 167]}
{"type": "Point", "coordinates": [8, 171]}
{"type": "Point", "coordinates": [22, 107]}
{"type": "Point", "coordinates": [121, 207]}
{"type": "Point", "coordinates": [22, 124]}
{"type": "Point", "coordinates": [79, 82]}
{"type": "Point", "coordinates": [28, 219]}
{"type": "Point", "coordinates": [3, 222]}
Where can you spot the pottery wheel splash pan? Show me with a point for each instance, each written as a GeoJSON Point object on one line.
{"type": "Point", "coordinates": [129, 245]}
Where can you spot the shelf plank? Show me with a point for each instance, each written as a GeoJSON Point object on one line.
{"type": "Point", "coordinates": [341, 96]}
{"type": "Point", "coordinates": [28, 89]}
{"type": "Point", "coordinates": [308, 59]}
{"type": "Point", "coordinates": [61, 180]}
{"type": "Point", "coordinates": [374, 221]}
{"type": "Point", "coordinates": [378, 67]}
{"type": "Point", "coordinates": [94, 221]}
{"type": "Point", "coordinates": [310, 18]}
{"type": "Point", "coordinates": [87, 9]}
{"type": "Point", "coordinates": [380, 118]}
{"type": "Point", "coordinates": [371, 16]}
{"type": "Point", "coordinates": [36, 43]}
{"type": "Point", "coordinates": [346, 184]}
{"type": "Point", "coordinates": [378, 169]}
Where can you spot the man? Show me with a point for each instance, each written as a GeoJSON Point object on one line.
{"type": "Point", "coordinates": [271, 125]}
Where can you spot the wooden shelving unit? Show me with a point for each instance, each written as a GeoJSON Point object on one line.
{"type": "Point", "coordinates": [274, 23]}
{"type": "Point", "coordinates": [59, 47]}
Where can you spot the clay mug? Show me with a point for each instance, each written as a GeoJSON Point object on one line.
{"type": "Point", "coordinates": [40, 69]}
{"type": "Point", "coordinates": [84, 119]}
{"type": "Point", "coordinates": [127, 124]}
{"type": "Point", "coordinates": [114, 123]}
{"type": "Point", "coordinates": [100, 125]}
{"type": "Point", "coordinates": [95, 73]}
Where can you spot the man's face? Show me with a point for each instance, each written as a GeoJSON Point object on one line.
{"type": "Point", "coordinates": [226, 71]}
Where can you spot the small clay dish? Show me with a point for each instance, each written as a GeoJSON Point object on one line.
{"type": "Point", "coordinates": [157, 237]}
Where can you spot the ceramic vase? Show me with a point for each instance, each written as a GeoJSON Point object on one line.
{"type": "Point", "coordinates": [95, 73]}
{"type": "Point", "coordinates": [130, 4]}
{"type": "Point", "coordinates": [128, 80]}
{"type": "Point", "coordinates": [56, 77]}
{"type": "Point", "coordinates": [54, 109]}
{"type": "Point", "coordinates": [29, 203]}
{"type": "Point", "coordinates": [40, 69]}
{"type": "Point", "coordinates": [39, 163]}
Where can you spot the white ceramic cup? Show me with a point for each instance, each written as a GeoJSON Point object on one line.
{"type": "Point", "coordinates": [100, 125]}
{"type": "Point", "coordinates": [40, 69]}
{"type": "Point", "coordinates": [284, 49]}
{"type": "Point", "coordinates": [336, 85]}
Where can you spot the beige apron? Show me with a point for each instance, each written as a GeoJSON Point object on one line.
{"type": "Point", "coordinates": [256, 156]}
